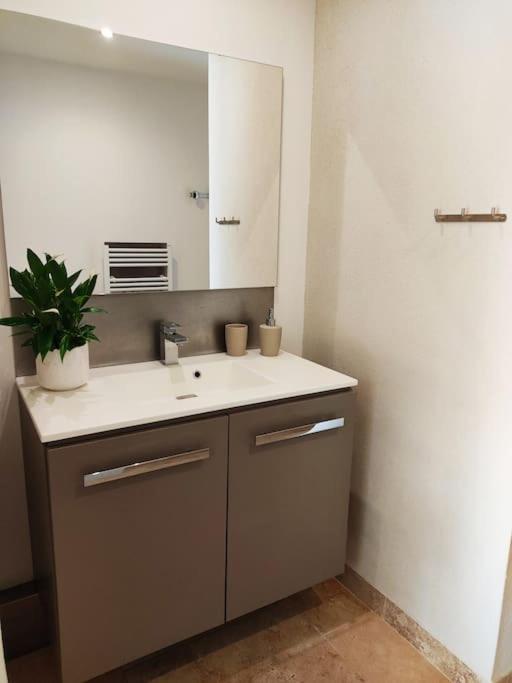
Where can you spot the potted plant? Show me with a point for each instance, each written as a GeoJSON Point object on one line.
{"type": "Point", "coordinates": [54, 320]}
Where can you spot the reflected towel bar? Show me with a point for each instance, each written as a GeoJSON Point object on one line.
{"type": "Point", "coordinates": [227, 221]}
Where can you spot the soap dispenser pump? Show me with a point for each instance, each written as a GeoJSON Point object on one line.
{"type": "Point", "coordinates": [270, 335]}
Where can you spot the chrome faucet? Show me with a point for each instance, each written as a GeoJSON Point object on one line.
{"type": "Point", "coordinates": [170, 341]}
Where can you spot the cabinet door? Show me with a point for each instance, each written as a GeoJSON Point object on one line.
{"type": "Point", "coordinates": [288, 498]}
{"type": "Point", "coordinates": [139, 526]}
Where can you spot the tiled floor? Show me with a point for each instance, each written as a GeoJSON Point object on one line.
{"type": "Point", "coordinates": [323, 634]}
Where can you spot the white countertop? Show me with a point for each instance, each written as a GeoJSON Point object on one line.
{"type": "Point", "coordinates": [144, 393]}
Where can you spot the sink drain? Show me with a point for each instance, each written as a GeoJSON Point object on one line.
{"type": "Point", "coordinates": [180, 398]}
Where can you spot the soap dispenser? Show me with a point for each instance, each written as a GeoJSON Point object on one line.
{"type": "Point", "coordinates": [270, 336]}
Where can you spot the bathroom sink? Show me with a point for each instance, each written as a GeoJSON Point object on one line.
{"type": "Point", "coordinates": [192, 379]}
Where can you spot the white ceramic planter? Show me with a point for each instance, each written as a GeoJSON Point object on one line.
{"type": "Point", "coordinates": [71, 373]}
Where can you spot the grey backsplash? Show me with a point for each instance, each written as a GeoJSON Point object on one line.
{"type": "Point", "coordinates": [129, 331]}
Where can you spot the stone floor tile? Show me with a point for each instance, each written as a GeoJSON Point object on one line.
{"type": "Point", "coordinates": [372, 650]}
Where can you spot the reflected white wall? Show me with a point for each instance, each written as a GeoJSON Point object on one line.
{"type": "Point", "coordinates": [245, 163]}
{"type": "Point", "coordinates": [89, 156]}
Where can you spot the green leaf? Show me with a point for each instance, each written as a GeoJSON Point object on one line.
{"type": "Point", "coordinates": [22, 285]}
{"type": "Point", "coordinates": [58, 273]}
{"type": "Point", "coordinates": [64, 346]}
{"type": "Point", "coordinates": [91, 284]}
{"type": "Point", "coordinates": [92, 309]}
{"type": "Point", "coordinates": [80, 289]}
{"type": "Point", "coordinates": [73, 278]}
{"type": "Point", "coordinates": [35, 263]}
{"type": "Point", "coordinates": [44, 341]}
{"type": "Point", "coordinates": [81, 299]}
{"type": "Point", "coordinates": [15, 321]}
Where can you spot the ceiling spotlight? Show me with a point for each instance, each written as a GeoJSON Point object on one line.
{"type": "Point", "coordinates": [107, 32]}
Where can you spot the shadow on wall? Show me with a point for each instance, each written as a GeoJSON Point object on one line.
{"type": "Point", "coordinates": [324, 240]}
{"type": "Point", "coordinates": [16, 564]}
{"type": "Point", "coordinates": [363, 520]}
{"type": "Point", "coordinates": [321, 338]}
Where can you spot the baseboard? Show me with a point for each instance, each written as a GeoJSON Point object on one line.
{"type": "Point", "coordinates": [24, 626]}
{"type": "Point", "coordinates": [434, 651]}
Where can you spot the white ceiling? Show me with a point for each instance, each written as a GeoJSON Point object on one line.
{"type": "Point", "coordinates": [24, 34]}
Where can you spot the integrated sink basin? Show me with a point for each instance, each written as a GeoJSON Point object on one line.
{"type": "Point", "coordinates": [192, 379]}
{"type": "Point", "coordinates": [122, 396]}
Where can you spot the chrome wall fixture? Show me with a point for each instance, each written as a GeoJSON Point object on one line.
{"type": "Point", "coordinates": [466, 217]}
{"type": "Point", "coordinates": [195, 194]}
{"type": "Point", "coordinates": [227, 221]}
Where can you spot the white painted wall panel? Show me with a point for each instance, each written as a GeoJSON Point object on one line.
{"type": "Point", "coordinates": [412, 112]}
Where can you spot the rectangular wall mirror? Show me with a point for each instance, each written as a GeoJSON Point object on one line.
{"type": "Point", "coordinates": [156, 167]}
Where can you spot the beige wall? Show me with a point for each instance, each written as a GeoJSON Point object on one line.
{"type": "Point", "coordinates": [412, 111]}
{"type": "Point", "coordinates": [266, 31]}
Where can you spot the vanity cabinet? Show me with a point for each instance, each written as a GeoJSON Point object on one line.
{"type": "Point", "coordinates": [129, 531]}
{"type": "Point", "coordinates": [289, 480]}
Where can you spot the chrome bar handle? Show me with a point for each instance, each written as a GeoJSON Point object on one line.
{"type": "Point", "coordinates": [303, 430]}
{"type": "Point", "coordinates": [136, 468]}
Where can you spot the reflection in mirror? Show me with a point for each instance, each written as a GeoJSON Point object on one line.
{"type": "Point", "coordinates": [155, 166]}
{"type": "Point", "coordinates": [245, 147]}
